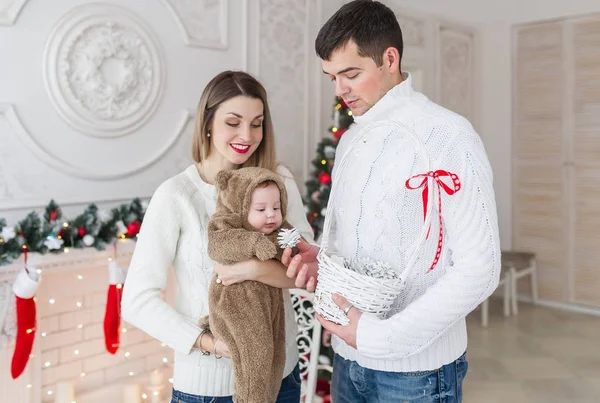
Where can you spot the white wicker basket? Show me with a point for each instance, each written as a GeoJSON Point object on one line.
{"type": "Point", "coordinates": [368, 294]}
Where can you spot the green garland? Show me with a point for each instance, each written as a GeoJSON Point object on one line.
{"type": "Point", "coordinates": [52, 234]}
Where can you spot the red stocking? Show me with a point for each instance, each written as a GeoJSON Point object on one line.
{"type": "Point", "coordinates": [112, 316]}
{"type": "Point", "coordinates": [24, 287]}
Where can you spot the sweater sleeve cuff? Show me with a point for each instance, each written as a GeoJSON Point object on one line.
{"type": "Point", "coordinates": [372, 337]}
{"type": "Point", "coordinates": [188, 334]}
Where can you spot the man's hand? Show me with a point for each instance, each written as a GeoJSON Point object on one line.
{"type": "Point", "coordinates": [303, 266]}
{"type": "Point", "coordinates": [348, 332]}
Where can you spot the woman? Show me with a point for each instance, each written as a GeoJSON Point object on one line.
{"type": "Point", "coordinates": [233, 129]}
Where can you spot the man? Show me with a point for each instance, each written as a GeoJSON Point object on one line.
{"type": "Point", "coordinates": [421, 190]}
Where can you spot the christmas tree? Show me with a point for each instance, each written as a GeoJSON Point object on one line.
{"type": "Point", "coordinates": [317, 188]}
{"type": "Point", "coordinates": [317, 195]}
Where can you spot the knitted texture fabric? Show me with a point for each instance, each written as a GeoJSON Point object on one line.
{"type": "Point", "coordinates": [430, 179]}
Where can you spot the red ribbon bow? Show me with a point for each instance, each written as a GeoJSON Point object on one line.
{"type": "Point", "coordinates": [449, 189]}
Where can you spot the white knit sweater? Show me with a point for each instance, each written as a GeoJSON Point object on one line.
{"type": "Point", "coordinates": [174, 233]}
{"type": "Point", "coordinates": [376, 215]}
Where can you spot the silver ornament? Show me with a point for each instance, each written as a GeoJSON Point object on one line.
{"type": "Point", "coordinates": [88, 240]}
{"type": "Point", "coordinates": [288, 238]}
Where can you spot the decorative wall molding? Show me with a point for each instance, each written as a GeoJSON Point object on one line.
{"type": "Point", "coordinates": [203, 23]}
{"type": "Point", "coordinates": [10, 10]}
{"type": "Point", "coordinates": [103, 70]}
{"type": "Point", "coordinates": [455, 69]}
{"type": "Point", "coordinates": [98, 172]}
{"type": "Point", "coordinates": [412, 30]}
{"type": "Point", "coordinates": [282, 66]}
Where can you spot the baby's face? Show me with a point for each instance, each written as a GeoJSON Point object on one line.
{"type": "Point", "coordinates": [265, 209]}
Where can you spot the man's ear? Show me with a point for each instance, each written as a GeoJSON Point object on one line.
{"type": "Point", "coordinates": [391, 59]}
{"type": "Point", "coordinates": [222, 179]}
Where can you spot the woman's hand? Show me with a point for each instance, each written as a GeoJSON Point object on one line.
{"type": "Point", "coordinates": [220, 349]}
{"type": "Point", "coordinates": [208, 342]}
{"type": "Point", "coordinates": [236, 273]}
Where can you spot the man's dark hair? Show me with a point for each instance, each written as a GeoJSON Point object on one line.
{"type": "Point", "coordinates": [370, 24]}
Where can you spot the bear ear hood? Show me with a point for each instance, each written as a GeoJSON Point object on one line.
{"type": "Point", "coordinates": [235, 189]}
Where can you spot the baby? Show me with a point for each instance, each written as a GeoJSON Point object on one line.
{"type": "Point", "coordinates": [249, 316]}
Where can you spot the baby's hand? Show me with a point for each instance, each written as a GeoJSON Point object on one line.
{"type": "Point", "coordinates": [265, 249]}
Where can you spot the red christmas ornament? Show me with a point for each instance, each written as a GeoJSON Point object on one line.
{"type": "Point", "coordinates": [81, 231]}
{"type": "Point", "coordinates": [24, 287]}
{"type": "Point", "coordinates": [53, 215]}
{"type": "Point", "coordinates": [324, 178]}
{"type": "Point", "coordinates": [133, 228]}
{"type": "Point", "coordinates": [112, 315]}
{"type": "Point", "coordinates": [61, 233]}
{"type": "Point", "coordinates": [338, 133]}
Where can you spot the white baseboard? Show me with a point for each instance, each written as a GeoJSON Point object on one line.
{"type": "Point", "coordinates": [563, 306]}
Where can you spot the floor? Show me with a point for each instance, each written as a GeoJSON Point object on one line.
{"type": "Point", "coordinates": [541, 355]}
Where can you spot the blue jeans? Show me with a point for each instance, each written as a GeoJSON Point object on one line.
{"type": "Point", "coordinates": [352, 383]}
{"type": "Point", "coordinates": [289, 392]}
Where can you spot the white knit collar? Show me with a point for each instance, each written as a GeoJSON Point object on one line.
{"type": "Point", "coordinates": [205, 188]}
{"type": "Point", "coordinates": [404, 90]}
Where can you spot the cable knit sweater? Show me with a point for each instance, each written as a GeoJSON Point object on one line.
{"type": "Point", "coordinates": [379, 212]}
{"type": "Point", "coordinates": [174, 233]}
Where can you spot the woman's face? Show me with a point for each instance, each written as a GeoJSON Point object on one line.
{"type": "Point", "coordinates": [237, 130]}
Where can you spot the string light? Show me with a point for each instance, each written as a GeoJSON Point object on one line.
{"type": "Point", "coordinates": [338, 106]}
{"type": "Point", "coordinates": [52, 300]}
{"type": "Point", "coordinates": [349, 113]}
{"type": "Point", "coordinates": [165, 360]}
{"type": "Point", "coordinates": [78, 304]}
{"type": "Point", "coordinates": [82, 374]}
{"type": "Point", "coordinates": [80, 277]}
{"type": "Point", "coordinates": [144, 396]}
{"type": "Point", "coordinates": [47, 364]}
{"type": "Point", "coordinates": [334, 129]}
{"type": "Point", "coordinates": [131, 374]}
{"type": "Point", "coordinates": [76, 352]}
{"type": "Point", "coordinates": [323, 162]}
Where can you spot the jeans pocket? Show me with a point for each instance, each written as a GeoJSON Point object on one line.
{"type": "Point", "coordinates": [414, 387]}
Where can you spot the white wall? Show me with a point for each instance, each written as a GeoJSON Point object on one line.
{"type": "Point", "coordinates": [52, 147]}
